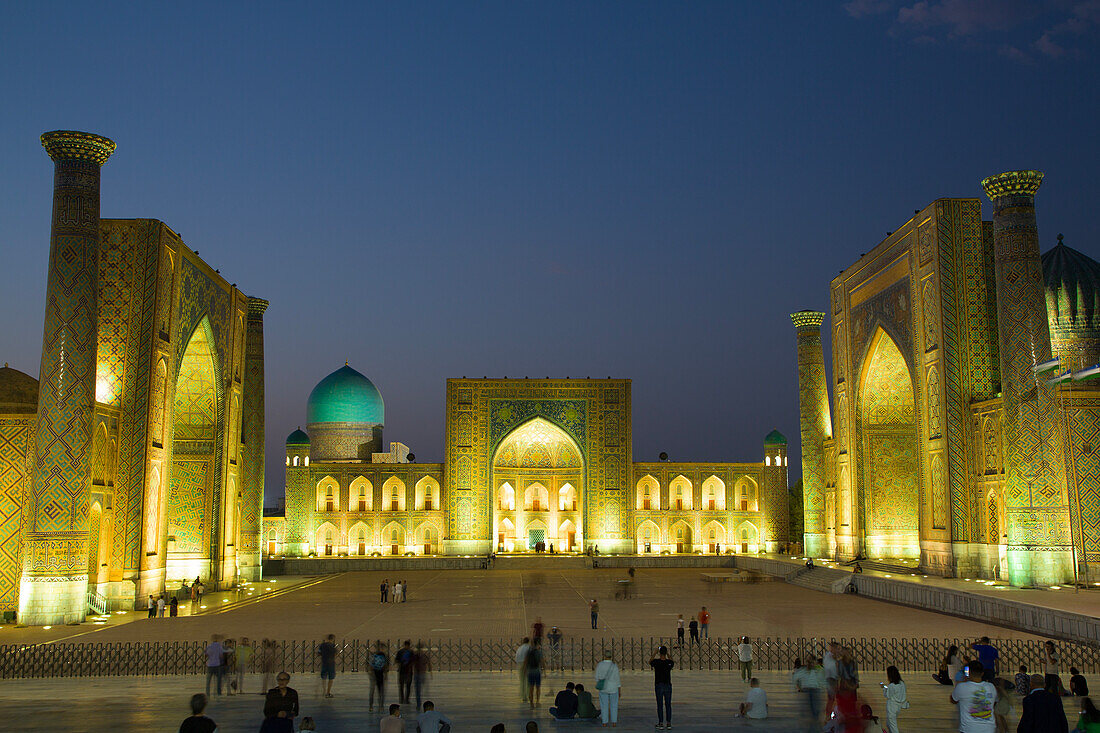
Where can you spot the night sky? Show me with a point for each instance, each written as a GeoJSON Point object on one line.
{"type": "Point", "coordinates": [435, 190]}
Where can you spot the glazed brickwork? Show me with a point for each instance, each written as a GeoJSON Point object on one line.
{"type": "Point", "coordinates": [815, 425]}
{"type": "Point", "coordinates": [531, 460]}
{"type": "Point", "coordinates": [125, 298]}
{"type": "Point", "coordinates": [252, 438]}
{"type": "Point", "coordinates": [961, 303]}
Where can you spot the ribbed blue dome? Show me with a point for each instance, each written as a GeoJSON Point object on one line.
{"type": "Point", "coordinates": [298, 437]}
{"type": "Point", "coordinates": [345, 396]}
{"type": "Point", "coordinates": [1072, 282]}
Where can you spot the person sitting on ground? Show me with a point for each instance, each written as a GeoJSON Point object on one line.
{"type": "Point", "coordinates": [586, 708]}
{"type": "Point", "coordinates": [307, 724]}
{"type": "Point", "coordinates": [1023, 681]}
{"type": "Point", "coordinates": [498, 728]}
{"type": "Point", "coordinates": [432, 721]}
{"type": "Point", "coordinates": [565, 704]}
{"type": "Point", "coordinates": [755, 705]}
{"type": "Point", "coordinates": [1089, 722]}
{"type": "Point", "coordinates": [809, 563]}
{"type": "Point", "coordinates": [1077, 684]}
{"type": "Point", "coordinates": [392, 723]}
{"type": "Point", "coordinates": [531, 727]}
{"type": "Point", "coordinates": [197, 722]}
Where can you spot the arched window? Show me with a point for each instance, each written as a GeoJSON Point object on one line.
{"type": "Point", "coordinates": [649, 494]}
{"type": "Point", "coordinates": [295, 460]}
{"type": "Point", "coordinates": [507, 497]}
{"type": "Point", "coordinates": [306, 460]}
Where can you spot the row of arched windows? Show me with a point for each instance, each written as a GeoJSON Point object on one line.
{"type": "Point", "coordinates": [536, 498]}
{"type": "Point", "coordinates": [681, 496]}
{"type": "Point", "coordinates": [392, 497]}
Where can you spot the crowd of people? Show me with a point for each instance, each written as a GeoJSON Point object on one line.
{"type": "Point", "coordinates": [396, 592]}
{"type": "Point", "coordinates": [168, 603]}
{"type": "Point", "coordinates": [832, 700]}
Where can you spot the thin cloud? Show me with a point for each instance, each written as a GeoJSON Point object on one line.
{"type": "Point", "coordinates": [863, 8]}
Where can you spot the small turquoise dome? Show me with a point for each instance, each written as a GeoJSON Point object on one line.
{"type": "Point", "coordinates": [345, 396]}
{"type": "Point", "coordinates": [775, 438]}
{"type": "Point", "coordinates": [298, 437]}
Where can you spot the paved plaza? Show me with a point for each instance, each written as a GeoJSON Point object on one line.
{"type": "Point", "coordinates": [466, 604]}
{"type": "Point", "coordinates": [703, 702]}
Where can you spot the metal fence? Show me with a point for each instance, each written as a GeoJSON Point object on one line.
{"type": "Point", "coordinates": [499, 655]}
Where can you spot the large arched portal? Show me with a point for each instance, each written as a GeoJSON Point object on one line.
{"type": "Point", "coordinates": [538, 490]}
{"type": "Point", "coordinates": [887, 415]}
{"type": "Point", "coordinates": [191, 479]}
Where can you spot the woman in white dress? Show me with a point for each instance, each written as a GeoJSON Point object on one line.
{"type": "Point", "coordinates": [896, 701]}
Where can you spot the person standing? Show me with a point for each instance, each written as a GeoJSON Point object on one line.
{"type": "Point", "coordinates": [1052, 668]}
{"type": "Point", "coordinates": [174, 607]}
{"type": "Point", "coordinates": [1078, 685]}
{"type": "Point", "coordinates": [809, 680]}
{"type": "Point", "coordinates": [195, 598]}
{"type": "Point", "coordinates": [896, 700]}
{"type": "Point", "coordinates": [987, 655]}
{"type": "Point", "coordinates": [267, 664]}
{"type": "Point", "coordinates": [379, 663]}
{"type": "Point", "coordinates": [406, 662]}
{"type": "Point", "coordinates": [594, 609]}
{"type": "Point", "coordinates": [534, 672]}
{"type": "Point", "coordinates": [554, 637]}
{"type": "Point", "coordinates": [404, 591]}
{"type": "Point", "coordinates": [161, 606]}
{"type": "Point", "coordinates": [693, 630]}
{"type": "Point", "coordinates": [975, 699]}
{"type": "Point", "coordinates": [327, 651]}
{"type": "Point", "coordinates": [384, 589]}
{"type": "Point", "coordinates": [537, 629]}
{"type": "Point", "coordinates": [229, 662]}
{"type": "Point", "coordinates": [521, 666]}
{"type": "Point", "coordinates": [831, 668]}
{"type": "Point", "coordinates": [197, 722]}
{"type": "Point", "coordinates": [215, 653]}
{"type": "Point", "coordinates": [1042, 710]}
{"type": "Point", "coordinates": [662, 687]}
{"type": "Point", "coordinates": [680, 630]}
{"type": "Point", "coordinates": [609, 685]}
{"type": "Point", "coordinates": [244, 657]}
{"type": "Point", "coordinates": [397, 589]}
{"type": "Point", "coordinates": [152, 606]}
{"type": "Point", "coordinates": [281, 700]}
{"type": "Point", "coordinates": [744, 659]}
{"type": "Point", "coordinates": [422, 667]}
{"type": "Point", "coordinates": [704, 621]}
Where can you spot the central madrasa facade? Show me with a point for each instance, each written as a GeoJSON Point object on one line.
{"type": "Point", "coordinates": [529, 464]}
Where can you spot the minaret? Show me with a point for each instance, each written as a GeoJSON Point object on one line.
{"type": "Point", "coordinates": [54, 584]}
{"type": "Point", "coordinates": [816, 424]}
{"type": "Point", "coordinates": [252, 435]}
{"type": "Point", "coordinates": [1036, 504]}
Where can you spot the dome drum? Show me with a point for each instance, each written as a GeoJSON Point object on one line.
{"type": "Point", "coordinates": [344, 441]}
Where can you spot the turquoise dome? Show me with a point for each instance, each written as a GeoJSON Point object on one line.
{"type": "Point", "coordinates": [775, 438]}
{"type": "Point", "coordinates": [345, 396]}
{"type": "Point", "coordinates": [298, 437]}
{"type": "Point", "coordinates": [1072, 282]}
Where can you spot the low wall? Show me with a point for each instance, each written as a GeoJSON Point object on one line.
{"type": "Point", "coordinates": [332, 565]}
{"type": "Point", "coordinates": [1027, 617]}
{"type": "Point", "coordinates": [663, 561]}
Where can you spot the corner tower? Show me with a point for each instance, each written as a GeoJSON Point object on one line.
{"type": "Point", "coordinates": [1036, 504]}
{"type": "Point", "coordinates": [54, 578]}
{"type": "Point", "coordinates": [816, 426]}
{"type": "Point", "coordinates": [776, 509]}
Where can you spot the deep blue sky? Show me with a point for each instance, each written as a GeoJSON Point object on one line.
{"type": "Point", "coordinates": [586, 189]}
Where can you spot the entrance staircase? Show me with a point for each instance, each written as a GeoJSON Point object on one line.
{"type": "Point", "coordinates": [541, 562]}
{"type": "Point", "coordinates": [825, 580]}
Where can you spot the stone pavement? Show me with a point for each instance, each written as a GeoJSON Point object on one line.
{"type": "Point", "coordinates": [702, 702]}
{"type": "Point", "coordinates": [476, 604]}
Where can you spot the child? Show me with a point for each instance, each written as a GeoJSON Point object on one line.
{"type": "Point", "coordinates": [1023, 681]}
{"type": "Point", "coordinates": [307, 724]}
{"type": "Point", "coordinates": [1077, 684]}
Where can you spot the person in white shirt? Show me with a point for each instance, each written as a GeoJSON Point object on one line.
{"type": "Point", "coordinates": [608, 683]}
{"type": "Point", "coordinates": [160, 606]}
{"type": "Point", "coordinates": [755, 705]}
{"type": "Point", "coordinates": [521, 666]}
{"type": "Point", "coordinates": [896, 700]}
{"type": "Point", "coordinates": [832, 673]}
{"type": "Point", "coordinates": [744, 658]}
{"type": "Point", "coordinates": [975, 700]}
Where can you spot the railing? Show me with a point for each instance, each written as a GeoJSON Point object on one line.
{"type": "Point", "coordinates": [300, 656]}
{"type": "Point", "coordinates": [97, 602]}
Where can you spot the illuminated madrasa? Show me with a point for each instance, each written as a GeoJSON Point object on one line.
{"type": "Point", "coordinates": [958, 441]}
{"type": "Point", "coordinates": [137, 459]}
{"type": "Point", "coordinates": [528, 464]}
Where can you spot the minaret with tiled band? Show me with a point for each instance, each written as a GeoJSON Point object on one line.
{"type": "Point", "coordinates": [816, 427]}
{"type": "Point", "coordinates": [1036, 503]}
{"type": "Point", "coordinates": [252, 435]}
{"type": "Point", "coordinates": [54, 583]}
